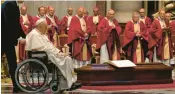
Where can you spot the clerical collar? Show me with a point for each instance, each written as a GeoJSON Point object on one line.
{"type": "Point", "coordinates": [135, 22]}
{"type": "Point", "coordinates": [95, 16]}
{"type": "Point", "coordinates": [41, 16]}
{"type": "Point", "coordinates": [109, 19]}
{"type": "Point", "coordinates": [69, 15]}
{"type": "Point", "coordinates": [23, 15]}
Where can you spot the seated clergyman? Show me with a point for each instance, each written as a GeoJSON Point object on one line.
{"type": "Point", "coordinates": [38, 40]}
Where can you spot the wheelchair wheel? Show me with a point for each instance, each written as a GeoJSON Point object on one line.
{"type": "Point", "coordinates": [31, 76]}
{"type": "Point", "coordinates": [54, 87]}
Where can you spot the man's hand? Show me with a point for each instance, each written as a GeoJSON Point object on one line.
{"type": "Point", "coordinates": [49, 27]}
{"type": "Point", "coordinates": [113, 26]}
{"type": "Point", "coordinates": [121, 51]}
{"type": "Point", "coordinates": [138, 34]}
{"type": "Point", "coordinates": [86, 35]}
{"type": "Point", "coordinates": [165, 29]}
{"type": "Point", "coordinates": [26, 23]}
{"type": "Point", "coordinates": [63, 54]}
{"type": "Point", "coordinates": [22, 41]}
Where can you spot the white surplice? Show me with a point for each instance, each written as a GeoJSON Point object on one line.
{"type": "Point", "coordinates": [40, 42]}
{"type": "Point", "coordinates": [69, 17]}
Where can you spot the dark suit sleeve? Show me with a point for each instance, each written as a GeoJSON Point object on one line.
{"type": "Point", "coordinates": [12, 18]}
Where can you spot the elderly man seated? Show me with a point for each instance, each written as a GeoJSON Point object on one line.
{"type": "Point", "coordinates": [38, 40]}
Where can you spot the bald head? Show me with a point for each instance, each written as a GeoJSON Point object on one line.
{"type": "Point", "coordinates": [96, 11]}
{"type": "Point", "coordinates": [135, 16]}
{"type": "Point", "coordinates": [51, 10]}
{"type": "Point", "coordinates": [70, 11]}
{"type": "Point", "coordinates": [142, 12]}
{"type": "Point", "coordinates": [80, 11]}
{"type": "Point", "coordinates": [110, 14]}
{"type": "Point", "coordinates": [162, 14]}
{"type": "Point", "coordinates": [23, 10]}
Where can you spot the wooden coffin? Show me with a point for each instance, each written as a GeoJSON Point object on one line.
{"type": "Point", "coordinates": [104, 74]}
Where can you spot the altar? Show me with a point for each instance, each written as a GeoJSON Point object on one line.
{"type": "Point", "coordinates": [105, 74]}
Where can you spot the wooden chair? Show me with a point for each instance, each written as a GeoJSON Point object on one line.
{"type": "Point", "coordinates": [62, 43]}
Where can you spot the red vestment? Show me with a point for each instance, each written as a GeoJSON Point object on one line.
{"type": "Point", "coordinates": [86, 17]}
{"type": "Point", "coordinates": [54, 29]}
{"type": "Point", "coordinates": [106, 34]}
{"type": "Point", "coordinates": [64, 25]}
{"type": "Point", "coordinates": [156, 39]}
{"type": "Point", "coordinates": [76, 38]}
{"type": "Point", "coordinates": [130, 41]}
{"type": "Point", "coordinates": [148, 22]}
{"type": "Point", "coordinates": [92, 27]}
{"type": "Point", "coordinates": [172, 28]}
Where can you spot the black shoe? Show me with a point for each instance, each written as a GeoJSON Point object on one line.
{"type": "Point", "coordinates": [75, 86]}
{"type": "Point", "coordinates": [17, 90]}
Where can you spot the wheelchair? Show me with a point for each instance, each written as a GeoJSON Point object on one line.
{"type": "Point", "coordinates": [37, 74]}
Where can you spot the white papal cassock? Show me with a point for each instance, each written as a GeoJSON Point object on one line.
{"type": "Point", "coordinates": [37, 41]}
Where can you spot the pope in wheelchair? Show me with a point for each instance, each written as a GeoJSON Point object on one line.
{"type": "Point", "coordinates": [36, 66]}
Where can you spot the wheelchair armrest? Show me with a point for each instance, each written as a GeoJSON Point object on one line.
{"type": "Point", "coordinates": [37, 54]}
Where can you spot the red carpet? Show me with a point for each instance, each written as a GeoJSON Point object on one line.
{"type": "Point", "coordinates": [130, 87]}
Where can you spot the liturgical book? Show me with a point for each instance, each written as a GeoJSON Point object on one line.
{"type": "Point", "coordinates": [122, 63]}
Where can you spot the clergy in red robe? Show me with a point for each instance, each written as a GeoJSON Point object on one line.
{"type": "Point", "coordinates": [146, 20]}
{"type": "Point", "coordinates": [93, 21]}
{"type": "Point", "coordinates": [85, 15]}
{"type": "Point", "coordinates": [135, 42]}
{"type": "Point", "coordinates": [55, 25]}
{"type": "Point", "coordinates": [26, 24]}
{"type": "Point", "coordinates": [172, 27]}
{"type": "Point", "coordinates": [78, 38]}
{"type": "Point", "coordinates": [41, 15]}
{"type": "Point", "coordinates": [160, 43]}
{"type": "Point", "coordinates": [65, 22]}
{"type": "Point", "coordinates": [108, 43]}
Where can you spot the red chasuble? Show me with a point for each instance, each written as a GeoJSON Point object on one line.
{"type": "Point", "coordinates": [148, 22]}
{"type": "Point", "coordinates": [57, 27]}
{"type": "Point", "coordinates": [53, 29]}
{"type": "Point", "coordinates": [130, 41]}
{"type": "Point", "coordinates": [172, 27]}
{"type": "Point", "coordinates": [92, 27]}
{"type": "Point", "coordinates": [76, 38]}
{"type": "Point", "coordinates": [157, 39]}
{"type": "Point", "coordinates": [64, 23]}
{"type": "Point", "coordinates": [106, 34]}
